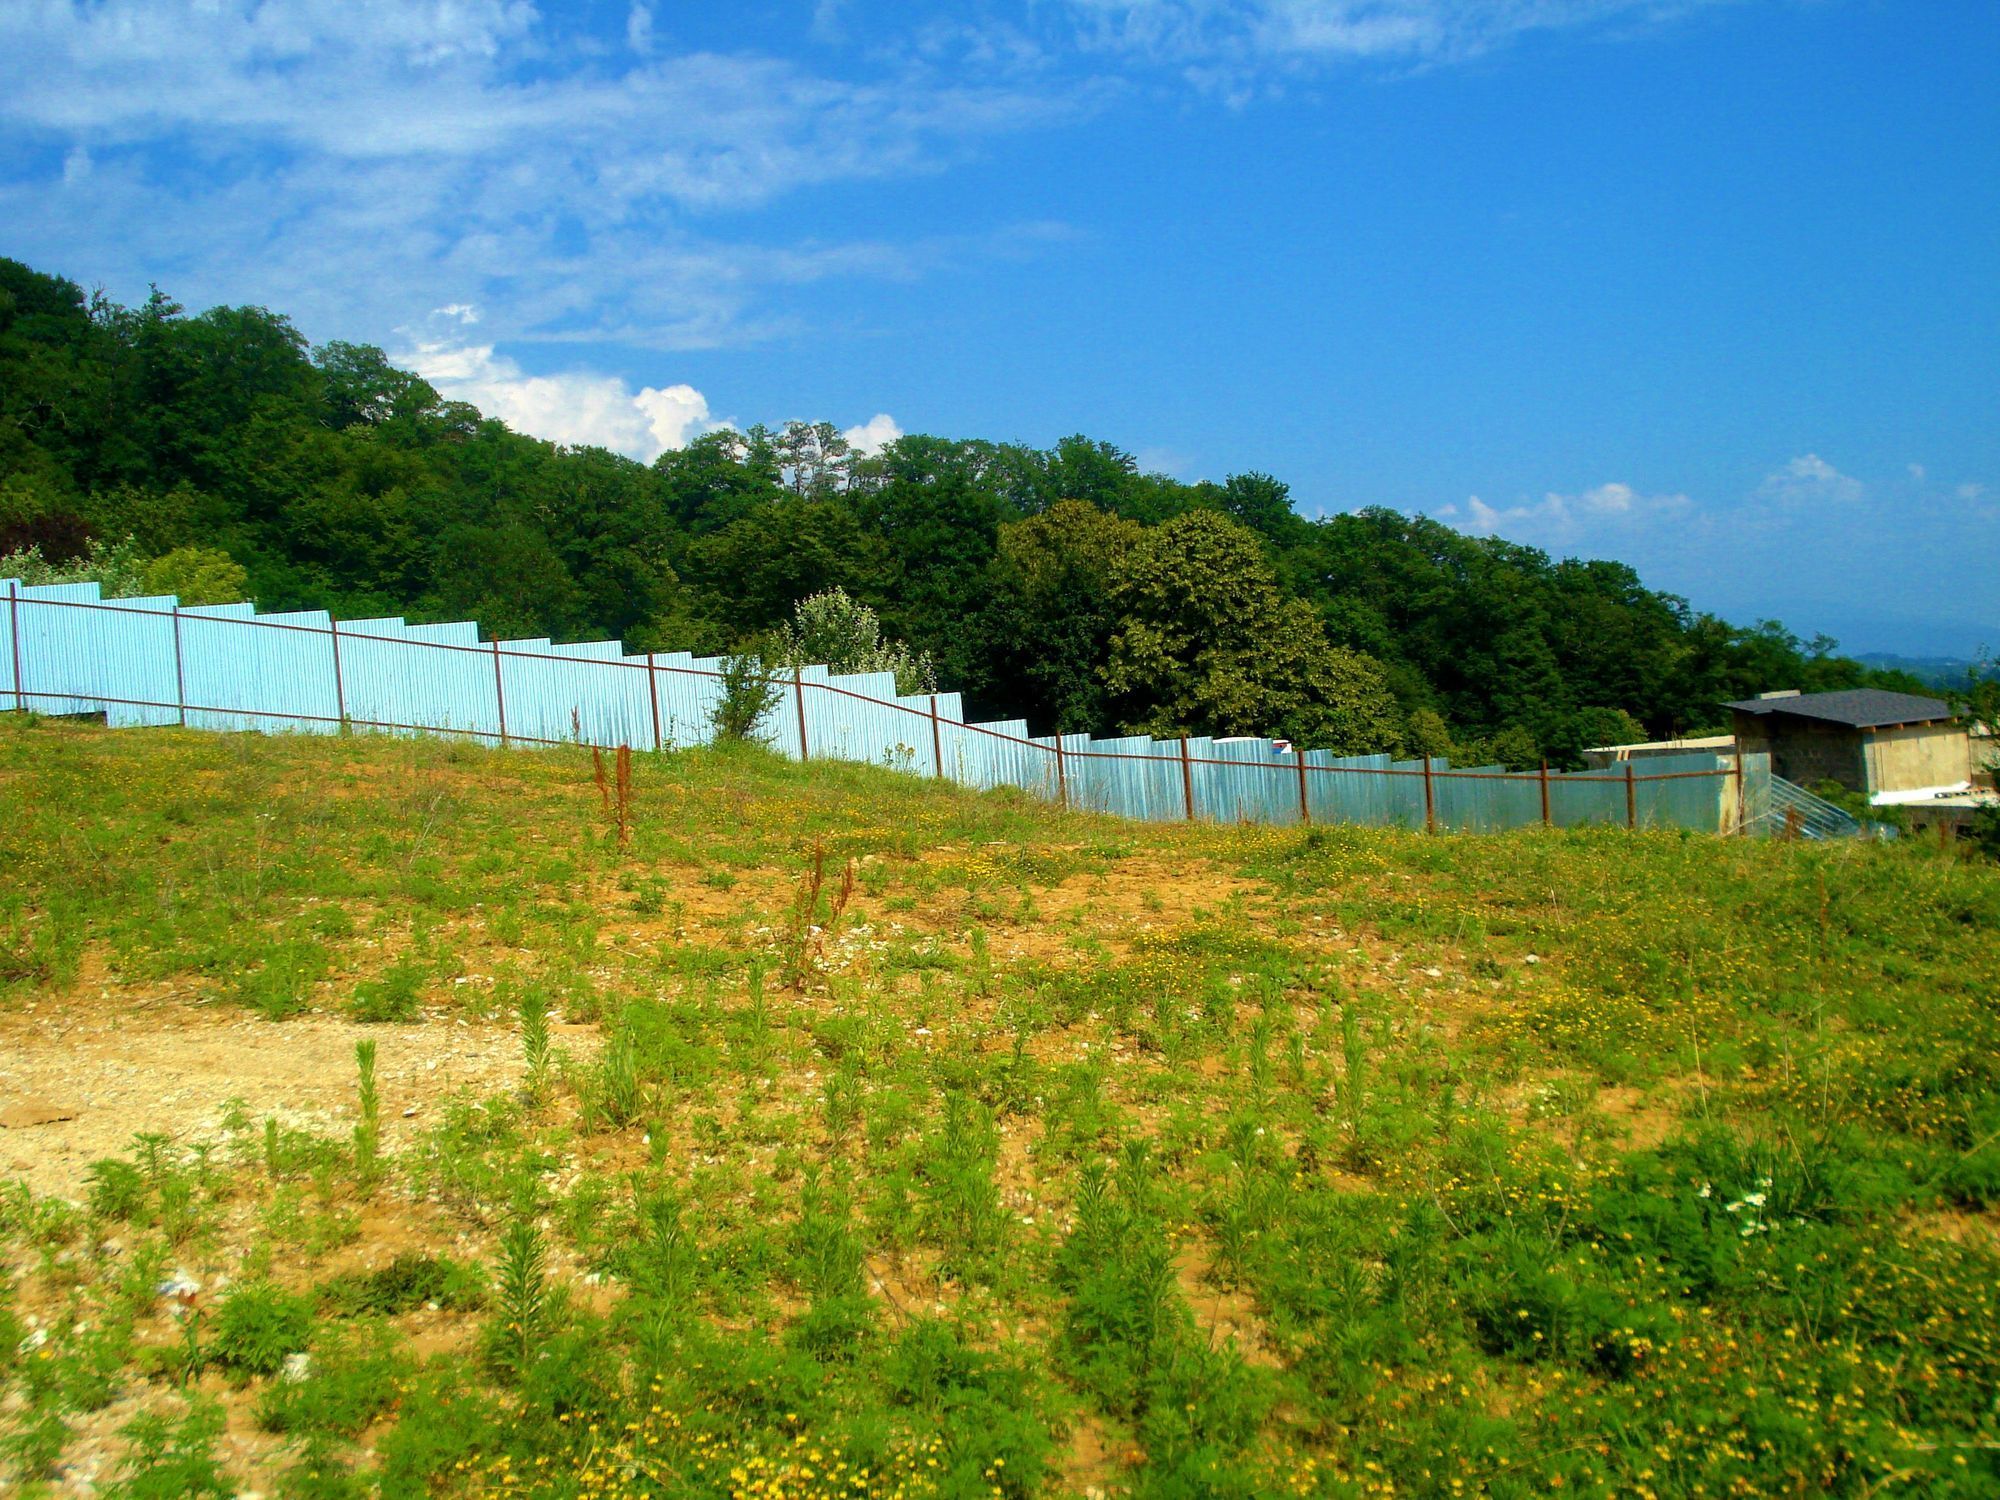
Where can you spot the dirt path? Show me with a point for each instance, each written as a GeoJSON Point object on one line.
{"type": "Point", "coordinates": [81, 1076]}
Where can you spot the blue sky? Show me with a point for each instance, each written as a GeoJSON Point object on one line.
{"type": "Point", "coordinates": [1711, 286]}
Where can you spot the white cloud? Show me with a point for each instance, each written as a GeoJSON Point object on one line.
{"type": "Point", "coordinates": [1561, 520]}
{"type": "Point", "coordinates": [359, 81]}
{"type": "Point", "coordinates": [873, 435]}
{"type": "Point", "coordinates": [1217, 40]}
{"type": "Point", "coordinates": [472, 150]}
{"type": "Point", "coordinates": [76, 166]}
{"type": "Point", "coordinates": [1970, 492]}
{"type": "Point", "coordinates": [675, 415]}
{"type": "Point", "coordinates": [639, 29]}
{"type": "Point", "coordinates": [1159, 460]}
{"type": "Point", "coordinates": [1918, 472]}
{"type": "Point", "coordinates": [578, 407]}
{"type": "Point", "coordinates": [1810, 480]}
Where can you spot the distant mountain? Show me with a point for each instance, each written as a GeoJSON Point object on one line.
{"type": "Point", "coordinates": [1938, 671]}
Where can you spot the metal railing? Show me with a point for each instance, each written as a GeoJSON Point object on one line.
{"type": "Point", "coordinates": [1790, 810]}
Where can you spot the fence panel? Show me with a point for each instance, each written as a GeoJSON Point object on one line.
{"type": "Point", "coordinates": [68, 649]}
{"type": "Point", "coordinates": [244, 671]}
{"type": "Point", "coordinates": [1481, 799]}
{"type": "Point", "coordinates": [858, 716]}
{"type": "Point", "coordinates": [689, 687]}
{"type": "Point", "coordinates": [1580, 797]}
{"type": "Point", "coordinates": [115, 658]}
{"type": "Point", "coordinates": [1680, 791]}
{"type": "Point", "coordinates": [392, 681]}
{"type": "Point", "coordinates": [1246, 780]}
{"type": "Point", "coordinates": [584, 694]}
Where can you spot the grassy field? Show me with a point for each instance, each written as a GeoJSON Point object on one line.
{"type": "Point", "coordinates": [376, 1119]}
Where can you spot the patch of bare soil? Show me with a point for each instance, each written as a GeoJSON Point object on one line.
{"type": "Point", "coordinates": [1642, 1119]}
{"type": "Point", "coordinates": [96, 1451]}
{"type": "Point", "coordinates": [1135, 897]}
{"type": "Point", "coordinates": [79, 1077]}
{"type": "Point", "coordinates": [1636, 1119]}
{"type": "Point", "coordinates": [688, 902]}
{"type": "Point", "coordinates": [1090, 1468]}
{"type": "Point", "coordinates": [1979, 1230]}
{"type": "Point", "coordinates": [1225, 1315]}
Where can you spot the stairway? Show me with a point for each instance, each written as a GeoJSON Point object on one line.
{"type": "Point", "coordinates": [1791, 809]}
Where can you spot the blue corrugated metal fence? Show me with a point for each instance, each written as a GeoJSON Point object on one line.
{"type": "Point", "coordinates": [65, 650]}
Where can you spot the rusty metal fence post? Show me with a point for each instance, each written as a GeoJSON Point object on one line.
{"type": "Point", "coordinates": [14, 635]}
{"type": "Point", "coordinates": [180, 671]}
{"type": "Point", "coordinates": [937, 741]}
{"type": "Point", "coordinates": [339, 682]}
{"type": "Point", "coordinates": [1187, 778]}
{"type": "Point", "coordinates": [653, 696]}
{"type": "Point", "coordinates": [1305, 805]}
{"type": "Point", "coordinates": [1546, 819]}
{"type": "Point", "coordinates": [1430, 799]}
{"type": "Point", "coordinates": [799, 701]}
{"type": "Point", "coordinates": [1631, 797]}
{"type": "Point", "coordinates": [500, 695]}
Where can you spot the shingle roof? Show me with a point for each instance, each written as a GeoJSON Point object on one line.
{"type": "Point", "coordinates": [1858, 708]}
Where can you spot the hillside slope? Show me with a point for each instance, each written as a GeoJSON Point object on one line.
{"type": "Point", "coordinates": [839, 1134]}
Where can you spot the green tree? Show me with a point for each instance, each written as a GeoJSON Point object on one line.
{"type": "Point", "coordinates": [361, 388]}
{"type": "Point", "coordinates": [749, 575]}
{"type": "Point", "coordinates": [1588, 728]}
{"type": "Point", "coordinates": [198, 575]}
{"type": "Point", "coordinates": [1514, 748]}
{"type": "Point", "coordinates": [1263, 504]}
{"type": "Point", "coordinates": [1207, 643]}
{"type": "Point", "coordinates": [925, 501]}
{"type": "Point", "coordinates": [1428, 735]}
{"type": "Point", "coordinates": [813, 459]}
{"type": "Point", "coordinates": [1050, 615]}
{"type": "Point", "coordinates": [116, 568]}
{"type": "Point", "coordinates": [836, 632]}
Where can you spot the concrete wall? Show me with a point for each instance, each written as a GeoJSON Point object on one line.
{"type": "Point", "coordinates": [1913, 756]}
{"type": "Point", "coordinates": [1805, 752]}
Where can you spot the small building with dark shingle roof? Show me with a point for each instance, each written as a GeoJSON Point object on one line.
{"type": "Point", "coordinates": [1866, 739]}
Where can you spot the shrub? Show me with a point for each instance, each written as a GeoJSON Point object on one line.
{"type": "Point", "coordinates": [410, 1281]}
{"type": "Point", "coordinates": [259, 1327]}
{"type": "Point", "coordinates": [116, 567]}
{"type": "Point", "coordinates": [445, 1417]}
{"type": "Point", "coordinates": [1984, 832]}
{"type": "Point", "coordinates": [282, 985]}
{"type": "Point", "coordinates": [116, 1189]}
{"type": "Point", "coordinates": [172, 1459]}
{"type": "Point", "coordinates": [749, 691]}
{"type": "Point", "coordinates": [352, 1379]}
{"type": "Point", "coordinates": [844, 635]}
{"type": "Point", "coordinates": [396, 996]}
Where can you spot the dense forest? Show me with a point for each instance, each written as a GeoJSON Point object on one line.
{"type": "Point", "coordinates": [1062, 585]}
